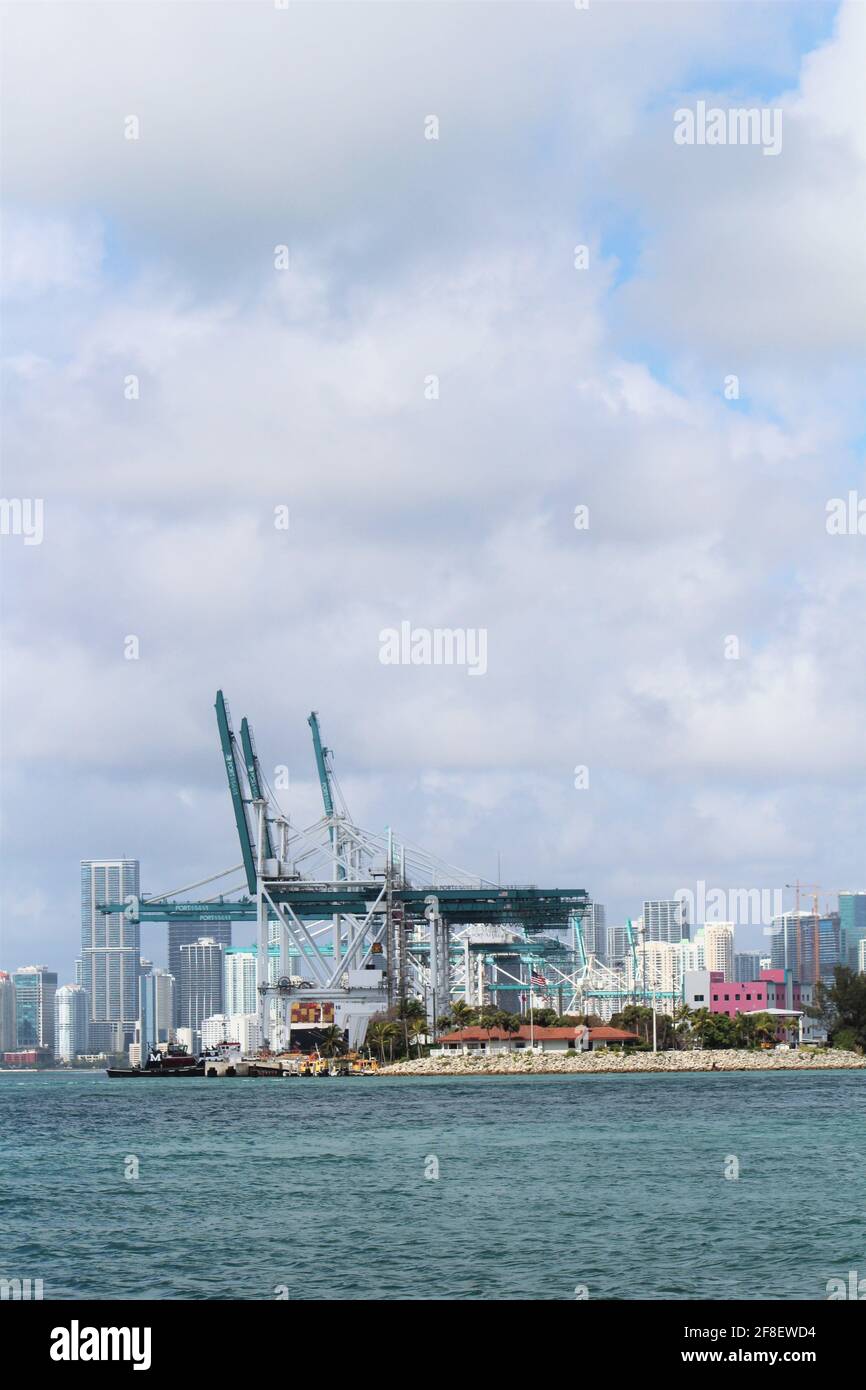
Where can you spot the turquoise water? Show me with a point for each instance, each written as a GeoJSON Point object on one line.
{"type": "Point", "coordinates": [545, 1183]}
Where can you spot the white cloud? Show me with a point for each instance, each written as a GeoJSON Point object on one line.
{"type": "Point", "coordinates": [307, 389]}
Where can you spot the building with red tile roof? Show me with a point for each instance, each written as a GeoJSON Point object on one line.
{"type": "Point", "coordinates": [578, 1039]}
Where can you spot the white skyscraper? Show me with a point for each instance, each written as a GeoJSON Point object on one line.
{"type": "Point", "coordinates": [719, 947]}
{"type": "Point", "coordinates": [240, 976]}
{"type": "Point", "coordinates": [72, 1029]}
{"type": "Point", "coordinates": [595, 931]}
{"type": "Point", "coordinates": [665, 920]}
{"type": "Point", "coordinates": [110, 950]}
{"type": "Point", "coordinates": [240, 981]}
{"type": "Point", "coordinates": [692, 953]}
{"type": "Point", "coordinates": [659, 971]}
{"type": "Point", "coordinates": [201, 981]}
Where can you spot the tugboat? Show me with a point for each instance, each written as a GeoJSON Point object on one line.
{"type": "Point", "coordinates": [175, 1061]}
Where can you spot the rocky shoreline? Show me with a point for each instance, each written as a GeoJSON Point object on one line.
{"type": "Point", "coordinates": [719, 1060]}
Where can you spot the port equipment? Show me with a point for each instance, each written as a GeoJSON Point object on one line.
{"type": "Point", "coordinates": [364, 918]}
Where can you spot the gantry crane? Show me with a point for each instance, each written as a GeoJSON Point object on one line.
{"type": "Point", "coordinates": [336, 878]}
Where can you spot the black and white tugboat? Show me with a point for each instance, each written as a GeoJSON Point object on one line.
{"type": "Point", "coordinates": [175, 1061]}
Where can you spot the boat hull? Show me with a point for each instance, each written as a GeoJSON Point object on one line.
{"type": "Point", "coordinates": [155, 1071]}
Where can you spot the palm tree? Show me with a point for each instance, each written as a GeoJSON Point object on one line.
{"type": "Point", "coordinates": [411, 1008]}
{"type": "Point", "coordinates": [333, 1043]}
{"type": "Point", "coordinates": [765, 1027]}
{"type": "Point", "coordinates": [701, 1022]}
{"type": "Point", "coordinates": [790, 1025]}
{"type": "Point", "coordinates": [683, 1018]}
{"type": "Point", "coordinates": [462, 1014]}
{"type": "Point", "coordinates": [380, 1033]}
{"type": "Point", "coordinates": [417, 1031]}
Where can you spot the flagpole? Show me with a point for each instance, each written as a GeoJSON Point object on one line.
{"type": "Point", "coordinates": [531, 1014]}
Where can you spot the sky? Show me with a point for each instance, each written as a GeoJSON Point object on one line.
{"type": "Point", "coordinates": [428, 389]}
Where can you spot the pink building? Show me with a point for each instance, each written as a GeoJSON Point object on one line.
{"type": "Point", "coordinates": [768, 992]}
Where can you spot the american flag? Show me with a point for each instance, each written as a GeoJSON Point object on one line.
{"type": "Point", "coordinates": [536, 979]}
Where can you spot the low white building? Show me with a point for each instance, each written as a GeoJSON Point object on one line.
{"type": "Point", "coordinates": [495, 1041]}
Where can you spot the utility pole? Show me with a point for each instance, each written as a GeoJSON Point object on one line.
{"type": "Point", "coordinates": [389, 927]}
{"type": "Point", "coordinates": [262, 922]}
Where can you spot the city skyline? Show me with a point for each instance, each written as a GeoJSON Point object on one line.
{"type": "Point", "coordinates": [749, 936]}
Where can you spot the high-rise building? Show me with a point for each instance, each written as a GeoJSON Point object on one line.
{"type": "Point", "coordinates": [8, 1013]}
{"type": "Point", "coordinates": [719, 947]}
{"type": "Point", "coordinates": [784, 940]}
{"type": "Point", "coordinates": [659, 971]}
{"type": "Point", "coordinates": [794, 940]}
{"type": "Point", "coordinates": [72, 1009]}
{"type": "Point", "coordinates": [215, 1030]}
{"type": "Point", "coordinates": [240, 995]}
{"type": "Point", "coordinates": [182, 934]}
{"type": "Point", "coordinates": [201, 981]}
{"type": "Point", "coordinates": [852, 919]}
{"type": "Point", "coordinates": [665, 920]}
{"type": "Point", "coordinates": [692, 953]}
{"type": "Point", "coordinates": [617, 945]}
{"type": "Point", "coordinates": [595, 932]}
{"type": "Point", "coordinates": [861, 956]}
{"type": "Point", "coordinates": [156, 1008]}
{"type": "Point", "coordinates": [110, 951]}
{"type": "Point", "coordinates": [747, 966]}
{"type": "Point", "coordinates": [35, 988]}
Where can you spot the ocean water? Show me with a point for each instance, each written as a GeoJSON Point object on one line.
{"type": "Point", "coordinates": [325, 1188]}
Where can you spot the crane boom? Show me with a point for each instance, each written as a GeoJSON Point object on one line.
{"type": "Point", "coordinates": [233, 772]}
{"type": "Point", "coordinates": [324, 774]}
{"type": "Point", "coordinates": [254, 777]}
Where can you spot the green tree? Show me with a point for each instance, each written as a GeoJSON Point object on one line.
{"type": "Point", "coordinates": [791, 1027]}
{"type": "Point", "coordinates": [544, 1018]}
{"type": "Point", "coordinates": [700, 1022]}
{"type": "Point", "coordinates": [417, 1029]}
{"type": "Point", "coordinates": [411, 1007]}
{"type": "Point", "coordinates": [682, 1025]}
{"type": "Point", "coordinates": [765, 1027]}
{"type": "Point", "coordinates": [719, 1031]}
{"type": "Point", "coordinates": [333, 1043]}
{"type": "Point", "coordinates": [638, 1018]}
{"type": "Point", "coordinates": [841, 1007]}
{"type": "Point", "coordinates": [746, 1029]}
{"type": "Point", "coordinates": [462, 1014]}
{"type": "Point", "coordinates": [714, 1030]}
{"type": "Point", "coordinates": [381, 1034]}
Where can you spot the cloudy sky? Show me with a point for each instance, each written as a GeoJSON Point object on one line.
{"type": "Point", "coordinates": [606, 386]}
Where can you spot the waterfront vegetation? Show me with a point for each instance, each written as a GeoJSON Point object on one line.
{"type": "Point", "coordinates": [842, 1008]}
{"type": "Point", "coordinates": [401, 1033]}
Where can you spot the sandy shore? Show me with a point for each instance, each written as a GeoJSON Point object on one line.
{"type": "Point", "coordinates": [522, 1063]}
